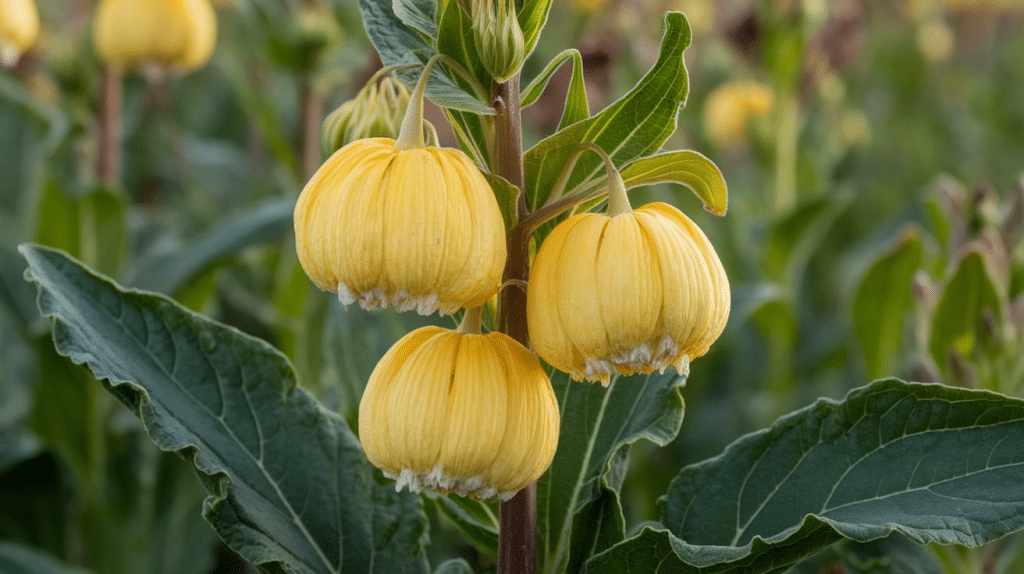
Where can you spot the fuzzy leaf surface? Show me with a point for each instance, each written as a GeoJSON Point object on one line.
{"type": "Point", "coordinates": [936, 464]}
{"type": "Point", "coordinates": [689, 168]}
{"type": "Point", "coordinates": [290, 488]}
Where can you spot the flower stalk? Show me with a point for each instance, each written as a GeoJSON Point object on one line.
{"type": "Point", "coordinates": [517, 522]}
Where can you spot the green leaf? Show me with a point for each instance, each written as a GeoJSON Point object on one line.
{"type": "Point", "coordinates": [476, 520]}
{"type": "Point", "coordinates": [576, 106]}
{"type": "Point", "coordinates": [455, 39]}
{"type": "Point", "coordinates": [508, 199]}
{"type": "Point", "coordinates": [418, 15]}
{"type": "Point", "coordinates": [958, 314]}
{"type": "Point", "coordinates": [170, 272]}
{"type": "Point", "coordinates": [934, 463]}
{"type": "Point", "coordinates": [18, 559]}
{"type": "Point", "coordinates": [689, 168]}
{"type": "Point", "coordinates": [532, 17]}
{"type": "Point", "coordinates": [597, 424]}
{"type": "Point", "coordinates": [879, 309]}
{"type": "Point", "coordinates": [290, 488]}
{"type": "Point", "coordinates": [634, 126]}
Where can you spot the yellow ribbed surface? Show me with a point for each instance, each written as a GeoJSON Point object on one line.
{"type": "Point", "coordinates": [174, 33]}
{"type": "Point", "coordinates": [636, 292]}
{"type": "Point", "coordinates": [401, 227]}
{"type": "Point", "coordinates": [474, 414]}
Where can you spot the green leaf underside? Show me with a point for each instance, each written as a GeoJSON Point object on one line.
{"type": "Point", "coordinates": [634, 126]}
{"type": "Point", "coordinates": [290, 487]}
{"type": "Point", "coordinates": [596, 424]}
{"type": "Point", "coordinates": [577, 107]}
{"type": "Point", "coordinates": [934, 463]}
{"type": "Point", "coordinates": [397, 44]}
{"type": "Point", "coordinates": [418, 15]}
{"type": "Point", "coordinates": [689, 168]}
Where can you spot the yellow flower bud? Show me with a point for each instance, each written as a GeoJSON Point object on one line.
{"type": "Point", "coordinates": [633, 292]}
{"type": "Point", "coordinates": [466, 413]}
{"type": "Point", "coordinates": [19, 28]}
{"type": "Point", "coordinates": [173, 33]}
{"type": "Point", "coordinates": [416, 228]}
{"type": "Point", "coordinates": [731, 106]}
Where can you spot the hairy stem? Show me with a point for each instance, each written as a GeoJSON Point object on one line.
{"type": "Point", "coordinates": [517, 524]}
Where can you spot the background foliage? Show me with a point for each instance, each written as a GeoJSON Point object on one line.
{"type": "Point", "coordinates": [874, 230]}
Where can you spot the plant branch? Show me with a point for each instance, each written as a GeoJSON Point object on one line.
{"type": "Point", "coordinates": [109, 162]}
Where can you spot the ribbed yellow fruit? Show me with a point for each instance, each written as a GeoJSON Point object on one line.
{"type": "Point", "coordinates": [635, 292]}
{"type": "Point", "coordinates": [174, 33]}
{"type": "Point", "coordinates": [465, 413]}
{"type": "Point", "coordinates": [416, 228]}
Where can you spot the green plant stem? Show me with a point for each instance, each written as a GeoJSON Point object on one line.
{"type": "Point", "coordinates": [312, 115]}
{"type": "Point", "coordinates": [517, 523]}
{"type": "Point", "coordinates": [109, 162]}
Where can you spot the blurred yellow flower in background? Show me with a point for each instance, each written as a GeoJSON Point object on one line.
{"type": "Point", "coordinates": [730, 107]}
{"type": "Point", "coordinates": [174, 33]}
{"type": "Point", "coordinates": [19, 28]}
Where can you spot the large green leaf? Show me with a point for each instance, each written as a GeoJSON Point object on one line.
{"type": "Point", "coordinates": [634, 126]}
{"type": "Point", "coordinates": [290, 487]}
{"type": "Point", "coordinates": [879, 310]}
{"type": "Point", "coordinates": [597, 424]}
{"type": "Point", "coordinates": [418, 14]}
{"type": "Point", "coordinates": [169, 272]}
{"type": "Point", "coordinates": [934, 463]}
{"type": "Point", "coordinates": [532, 17]}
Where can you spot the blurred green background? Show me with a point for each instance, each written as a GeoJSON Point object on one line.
{"type": "Point", "coordinates": [873, 150]}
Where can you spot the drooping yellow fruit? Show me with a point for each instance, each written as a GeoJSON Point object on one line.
{"type": "Point", "coordinates": [174, 33]}
{"type": "Point", "coordinates": [19, 28]}
{"type": "Point", "coordinates": [465, 413]}
{"type": "Point", "coordinates": [635, 292]}
{"type": "Point", "coordinates": [415, 228]}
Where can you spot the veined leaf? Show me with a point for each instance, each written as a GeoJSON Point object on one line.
{"type": "Point", "coordinates": [934, 463]}
{"type": "Point", "coordinates": [689, 168]}
{"type": "Point", "coordinates": [531, 20]}
{"type": "Point", "coordinates": [576, 106]}
{"type": "Point", "coordinates": [477, 520]}
{"type": "Point", "coordinates": [397, 44]}
{"type": "Point", "coordinates": [455, 39]}
{"type": "Point", "coordinates": [879, 310]}
{"type": "Point", "coordinates": [290, 487]}
{"type": "Point", "coordinates": [597, 423]}
{"type": "Point", "coordinates": [634, 126]}
{"type": "Point", "coordinates": [418, 15]}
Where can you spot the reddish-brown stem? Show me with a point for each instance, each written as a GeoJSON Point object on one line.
{"type": "Point", "coordinates": [517, 523]}
{"type": "Point", "coordinates": [312, 115]}
{"type": "Point", "coordinates": [108, 166]}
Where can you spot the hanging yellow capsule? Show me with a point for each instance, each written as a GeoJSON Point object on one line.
{"type": "Point", "coordinates": [19, 28]}
{"type": "Point", "coordinates": [415, 228]}
{"type": "Point", "coordinates": [459, 412]}
{"type": "Point", "coordinates": [173, 33]}
{"type": "Point", "coordinates": [635, 291]}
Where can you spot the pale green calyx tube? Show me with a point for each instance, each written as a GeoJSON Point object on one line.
{"type": "Point", "coordinates": [498, 37]}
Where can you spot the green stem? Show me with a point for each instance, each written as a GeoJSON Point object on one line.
{"type": "Point", "coordinates": [109, 161]}
{"type": "Point", "coordinates": [517, 522]}
{"type": "Point", "coordinates": [470, 324]}
{"type": "Point", "coordinates": [410, 135]}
